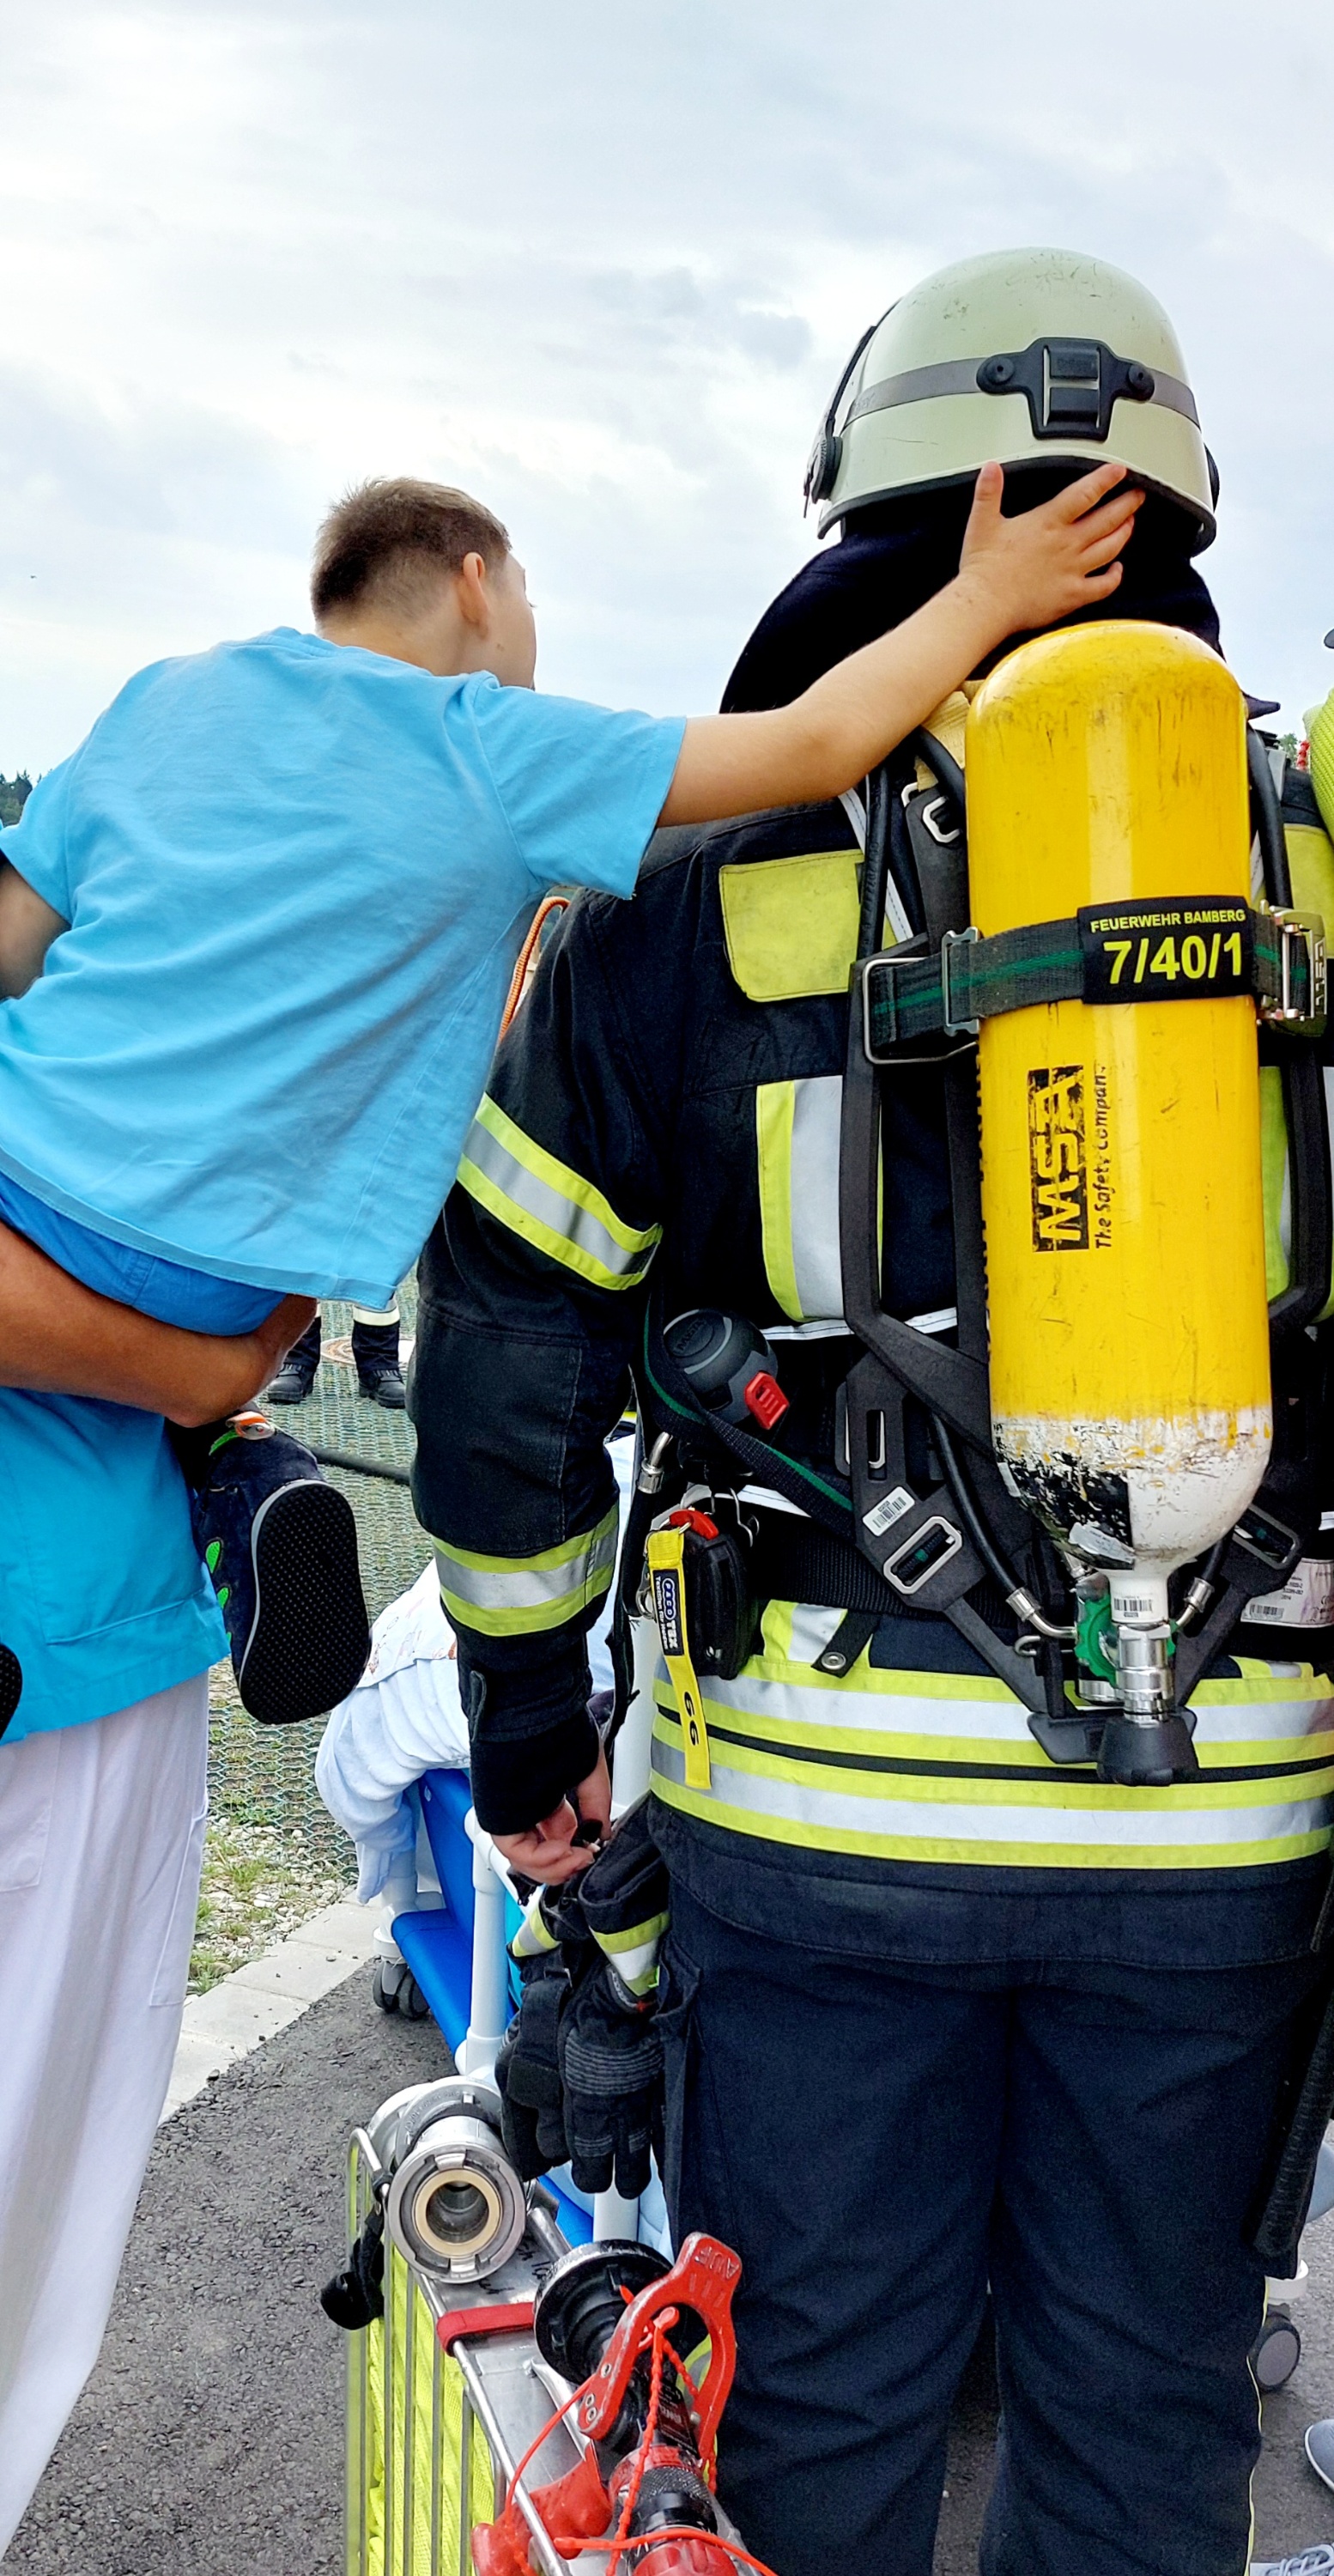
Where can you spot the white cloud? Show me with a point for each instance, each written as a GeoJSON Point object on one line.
{"type": "Point", "coordinates": [602, 262]}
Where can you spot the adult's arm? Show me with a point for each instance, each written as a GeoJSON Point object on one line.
{"type": "Point", "coordinates": [59, 1338]}
{"type": "Point", "coordinates": [28, 924]}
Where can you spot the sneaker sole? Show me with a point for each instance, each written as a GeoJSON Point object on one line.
{"type": "Point", "coordinates": [311, 1638]}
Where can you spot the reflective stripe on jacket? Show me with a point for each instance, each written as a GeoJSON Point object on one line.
{"type": "Point", "coordinates": [901, 1766]}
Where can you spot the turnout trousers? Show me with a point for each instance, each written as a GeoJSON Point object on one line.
{"type": "Point", "coordinates": [881, 2143]}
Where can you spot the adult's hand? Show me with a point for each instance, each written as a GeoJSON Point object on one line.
{"type": "Point", "coordinates": [60, 1338]}
{"type": "Point", "coordinates": [548, 1851]}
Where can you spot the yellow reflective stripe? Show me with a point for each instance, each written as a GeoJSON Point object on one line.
{"type": "Point", "coordinates": [803, 1835]}
{"type": "Point", "coordinates": [797, 1149]}
{"type": "Point", "coordinates": [1018, 1751]}
{"type": "Point", "coordinates": [774, 1103]}
{"type": "Point", "coordinates": [551, 1206]}
{"type": "Point", "coordinates": [1274, 1174]}
{"type": "Point", "coordinates": [615, 1943]}
{"type": "Point", "coordinates": [1057, 1788]}
{"type": "Point", "coordinates": [634, 1954]}
{"type": "Point", "coordinates": [516, 1595]}
{"type": "Point", "coordinates": [534, 1938]}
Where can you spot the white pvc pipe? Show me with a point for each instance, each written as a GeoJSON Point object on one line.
{"type": "Point", "coordinates": [633, 1750]}
{"type": "Point", "coordinates": [489, 2002]}
{"type": "Point", "coordinates": [614, 2217]}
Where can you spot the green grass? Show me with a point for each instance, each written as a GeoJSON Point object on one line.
{"type": "Point", "coordinates": [259, 1883]}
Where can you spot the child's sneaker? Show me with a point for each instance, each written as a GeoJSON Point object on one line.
{"type": "Point", "coordinates": [281, 1546]}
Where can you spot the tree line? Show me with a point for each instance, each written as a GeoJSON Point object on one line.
{"type": "Point", "coordinates": [14, 794]}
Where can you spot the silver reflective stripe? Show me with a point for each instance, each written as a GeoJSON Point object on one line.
{"type": "Point", "coordinates": [816, 1114]}
{"type": "Point", "coordinates": [897, 924]}
{"type": "Point", "coordinates": [981, 1710]}
{"type": "Point", "coordinates": [561, 1215]}
{"type": "Point", "coordinates": [530, 1584]}
{"type": "Point", "coordinates": [943, 1814]}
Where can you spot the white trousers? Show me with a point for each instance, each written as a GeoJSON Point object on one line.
{"type": "Point", "coordinates": [101, 1836]}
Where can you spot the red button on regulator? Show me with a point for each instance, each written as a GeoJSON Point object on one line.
{"type": "Point", "coordinates": [690, 1519]}
{"type": "Point", "coordinates": [766, 1400]}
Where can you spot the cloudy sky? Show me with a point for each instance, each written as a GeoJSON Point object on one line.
{"type": "Point", "coordinates": [600, 260]}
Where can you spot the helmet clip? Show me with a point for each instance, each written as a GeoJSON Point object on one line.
{"type": "Point", "coordinates": [1071, 385]}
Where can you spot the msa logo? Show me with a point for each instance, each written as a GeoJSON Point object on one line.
{"type": "Point", "coordinates": [667, 1603]}
{"type": "Point", "coordinates": [1057, 1159]}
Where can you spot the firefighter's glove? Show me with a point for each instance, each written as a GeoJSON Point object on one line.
{"type": "Point", "coordinates": [527, 2069]}
{"type": "Point", "coordinates": [611, 2064]}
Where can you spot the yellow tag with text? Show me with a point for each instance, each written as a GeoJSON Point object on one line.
{"type": "Point", "coordinates": [666, 1567]}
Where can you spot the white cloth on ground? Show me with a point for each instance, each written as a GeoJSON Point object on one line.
{"type": "Point", "coordinates": [405, 1716]}
{"type": "Point", "coordinates": [101, 1837]}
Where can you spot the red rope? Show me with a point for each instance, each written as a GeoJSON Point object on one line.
{"type": "Point", "coordinates": [569, 2545]}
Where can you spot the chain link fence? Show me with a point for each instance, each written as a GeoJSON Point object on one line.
{"type": "Point", "coordinates": [265, 1775]}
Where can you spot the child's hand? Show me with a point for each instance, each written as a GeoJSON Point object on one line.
{"type": "Point", "coordinates": [1039, 567]}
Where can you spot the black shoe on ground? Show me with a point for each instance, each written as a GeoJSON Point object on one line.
{"type": "Point", "coordinates": [296, 1377]}
{"type": "Point", "coordinates": [375, 1350]}
{"type": "Point", "coordinates": [281, 1546]}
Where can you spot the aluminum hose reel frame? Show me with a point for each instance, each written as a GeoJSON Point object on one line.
{"type": "Point", "coordinates": [453, 2203]}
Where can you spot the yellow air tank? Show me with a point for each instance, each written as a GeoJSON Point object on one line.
{"type": "Point", "coordinates": [1121, 1140]}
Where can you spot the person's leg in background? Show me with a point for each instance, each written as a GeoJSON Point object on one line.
{"type": "Point", "coordinates": [375, 1350]}
{"type": "Point", "coordinates": [839, 2127]}
{"type": "Point", "coordinates": [101, 1837]}
{"type": "Point", "coordinates": [1140, 2105]}
{"type": "Point", "coordinates": [296, 1377]}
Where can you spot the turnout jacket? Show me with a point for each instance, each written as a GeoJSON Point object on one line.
{"type": "Point", "coordinates": [664, 1112]}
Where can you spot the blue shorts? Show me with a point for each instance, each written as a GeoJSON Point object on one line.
{"type": "Point", "coordinates": [164, 1289]}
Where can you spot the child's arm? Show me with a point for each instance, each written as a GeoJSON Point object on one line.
{"type": "Point", "coordinates": [1015, 575]}
{"type": "Point", "coordinates": [28, 924]}
{"type": "Point", "coordinates": [59, 1338]}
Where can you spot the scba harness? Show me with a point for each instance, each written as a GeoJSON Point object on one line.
{"type": "Point", "coordinates": [921, 1509]}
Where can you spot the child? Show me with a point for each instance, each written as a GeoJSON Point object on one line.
{"type": "Point", "coordinates": [282, 886]}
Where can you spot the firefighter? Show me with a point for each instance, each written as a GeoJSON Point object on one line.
{"type": "Point", "coordinates": [936, 2016]}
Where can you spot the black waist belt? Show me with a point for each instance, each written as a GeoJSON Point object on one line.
{"type": "Point", "coordinates": [795, 1560]}
{"type": "Point", "coordinates": [1178, 949]}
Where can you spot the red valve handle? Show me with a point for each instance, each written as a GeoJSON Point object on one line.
{"type": "Point", "coordinates": [703, 2277]}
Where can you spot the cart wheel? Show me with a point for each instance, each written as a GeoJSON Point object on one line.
{"type": "Point", "coordinates": [388, 1977]}
{"type": "Point", "coordinates": [396, 1990]}
{"type": "Point", "coordinates": [1276, 2351]}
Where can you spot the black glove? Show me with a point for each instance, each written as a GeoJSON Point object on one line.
{"type": "Point", "coordinates": [551, 1939]}
{"type": "Point", "coordinates": [610, 2055]}
{"type": "Point", "coordinates": [611, 2077]}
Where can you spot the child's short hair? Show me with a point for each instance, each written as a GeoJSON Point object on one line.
{"type": "Point", "coordinates": [385, 540]}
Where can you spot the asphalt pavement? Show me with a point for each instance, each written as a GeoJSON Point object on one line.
{"type": "Point", "coordinates": [209, 2441]}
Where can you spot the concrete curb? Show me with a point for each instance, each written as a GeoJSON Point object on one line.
{"type": "Point", "coordinates": [248, 2007]}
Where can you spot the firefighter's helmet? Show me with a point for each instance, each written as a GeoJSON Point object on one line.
{"type": "Point", "coordinates": [1034, 357]}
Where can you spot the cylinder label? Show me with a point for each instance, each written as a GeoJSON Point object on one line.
{"type": "Point", "coordinates": [1058, 1158]}
{"type": "Point", "coordinates": [1180, 949]}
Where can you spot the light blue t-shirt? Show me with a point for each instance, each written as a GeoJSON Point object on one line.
{"type": "Point", "coordinates": [102, 1594]}
{"type": "Point", "coordinates": [297, 876]}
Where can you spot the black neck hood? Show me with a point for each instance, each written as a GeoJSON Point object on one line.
{"type": "Point", "coordinates": [892, 559]}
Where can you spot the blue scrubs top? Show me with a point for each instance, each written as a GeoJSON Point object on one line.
{"type": "Point", "coordinates": [102, 1595]}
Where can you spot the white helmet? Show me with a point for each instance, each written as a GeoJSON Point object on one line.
{"type": "Point", "coordinates": [1034, 357]}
